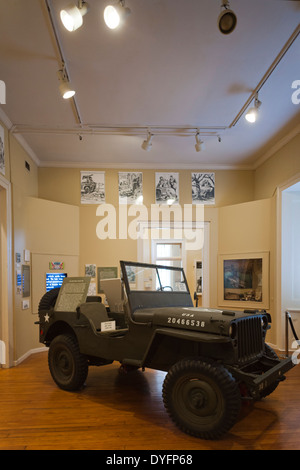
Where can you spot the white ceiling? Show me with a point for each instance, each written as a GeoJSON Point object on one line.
{"type": "Point", "coordinates": [168, 69]}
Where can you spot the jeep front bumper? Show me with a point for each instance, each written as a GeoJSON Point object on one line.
{"type": "Point", "coordinates": [270, 371]}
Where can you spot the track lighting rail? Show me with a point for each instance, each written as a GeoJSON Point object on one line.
{"type": "Point", "coordinates": [136, 130]}
{"type": "Point", "coordinates": [266, 76]}
{"type": "Point", "coordinates": [61, 59]}
{"type": "Point", "coordinates": [121, 130]}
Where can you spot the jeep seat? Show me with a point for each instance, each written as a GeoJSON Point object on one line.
{"type": "Point", "coordinates": [95, 312]}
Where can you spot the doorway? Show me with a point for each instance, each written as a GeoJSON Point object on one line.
{"type": "Point", "coordinates": [6, 310]}
{"type": "Point", "coordinates": [154, 246]}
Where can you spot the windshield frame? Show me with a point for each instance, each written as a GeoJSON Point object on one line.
{"type": "Point", "coordinates": [157, 268]}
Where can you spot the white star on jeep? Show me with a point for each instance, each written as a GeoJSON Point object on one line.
{"type": "Point", "coordinates": [46, 318]}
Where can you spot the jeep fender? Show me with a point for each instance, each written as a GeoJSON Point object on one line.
{"type": "Point", "coordinates": [164, 340]}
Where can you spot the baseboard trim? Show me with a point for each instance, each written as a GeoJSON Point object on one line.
{"type": "Point", "coordinates": [29, 353]}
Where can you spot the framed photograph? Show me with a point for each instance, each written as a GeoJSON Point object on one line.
{"type": "Point", "coordinates": [92, 187]}
{"type": "Point", "coordinates": [2, 152]}
{"type": "Point", "coordinates": [166, 188]}
{"type": "Point", "coordinates": [130, 187]}
{"type": "Point", "coordinates": [243, 280]}
{"type": "Point", "coordinates": [203, 188]}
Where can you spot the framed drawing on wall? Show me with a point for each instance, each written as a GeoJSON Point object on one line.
{"type": "Point", "coordinates": [243, 280]}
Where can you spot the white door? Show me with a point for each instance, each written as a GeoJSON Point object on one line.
{"type": "Point", "coordinates": [290, 262]}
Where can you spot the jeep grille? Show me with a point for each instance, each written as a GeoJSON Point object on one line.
{"type": "Point", "coordinates": [250, 342]}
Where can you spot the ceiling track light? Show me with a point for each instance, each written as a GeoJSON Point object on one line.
{"type": "Point", "coordinates": [147, 144]}
{"type": "Point", "coordinates": [227, 19]}
{"type": "Point", "coordinates": [114, 15]}
{"type": "Point", "coordinates": [199, 143]}
{"type": "Point", "coordinates": [72, 15]}
{"type": "Point", "coordinates": [252, 113]}
{"type": "Point", "coordinates": [65, 88]}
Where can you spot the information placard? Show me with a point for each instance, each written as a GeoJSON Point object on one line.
{"type": "Point", "coordinates": [73, 292]}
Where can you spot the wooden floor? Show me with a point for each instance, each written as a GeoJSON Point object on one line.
{"type": "Point", "coordinates": [125, 412]}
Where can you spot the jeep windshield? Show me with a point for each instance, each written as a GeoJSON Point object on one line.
{"type": "Point", "coordinates": [153, 286]}
{"type": "Point", "coordinates": [147, 277]}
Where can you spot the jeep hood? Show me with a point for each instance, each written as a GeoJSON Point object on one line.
{"type": "Point", "coordinates": [191, 318]}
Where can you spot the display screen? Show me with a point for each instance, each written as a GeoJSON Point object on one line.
{"type": "Point", "coordinates": [54, 280]}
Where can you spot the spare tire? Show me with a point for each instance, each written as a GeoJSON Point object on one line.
{"type": "Point", "coordinates": [49, 299]}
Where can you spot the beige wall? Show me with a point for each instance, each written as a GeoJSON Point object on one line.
{"type": "Point", "coordinates": [44, 228]}
{"type": "Point", "coordinates": [63, 185]}
{"type": "Point", "coordinates": [23, 184]}
{"type": "Point", "coordinates": [278, 169]}
{"type": "Point", "coordinates": [248, 228]}
{"type": "Point", "coordinates": [34, 229]}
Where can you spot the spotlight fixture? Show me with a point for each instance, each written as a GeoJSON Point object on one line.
{"type": "Point", "coordinates": [147, 144]}
{"type": "Point", "coordinates": [227, 19]}
{"type": "Point", "coordinates": [114, 15]}
{"type": "Point", "coordinates": [199, 143]}
{"type": "Point", "coordinates": [71, 16]}
{"type": "Point", "coordinates": [64, 87]}
{"type": "Point", "coordinates": [252, 113]}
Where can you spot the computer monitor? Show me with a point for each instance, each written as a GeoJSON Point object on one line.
{"type": "Point", "coordinates": [54, 280]}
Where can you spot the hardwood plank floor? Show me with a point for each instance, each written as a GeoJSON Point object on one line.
{"type": "Point", "coordinates": [125, 412]}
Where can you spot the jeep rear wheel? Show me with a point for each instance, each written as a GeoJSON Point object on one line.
{"type": "Point", "coordinates": [68, 367]}
{"type": "Point", "coordinates": [202, 398]}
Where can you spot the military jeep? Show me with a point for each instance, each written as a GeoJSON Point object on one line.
{"type": "Point", "coordinates": [213, 358]}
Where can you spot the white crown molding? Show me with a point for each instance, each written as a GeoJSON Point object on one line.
{"type": "Point", "coordinates": [7, 122]}
{"type": "Point", "coordinates": [205, 166]}
{"type": "Point", "coordinates": [143, 166]}
{"type": "Point", "coordinates": [276, 147]}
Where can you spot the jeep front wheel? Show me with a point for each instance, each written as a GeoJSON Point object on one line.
{"type": "Point", "coordinates": [202, 398]}
{"type": "Point", "coordinates": [68, 367]}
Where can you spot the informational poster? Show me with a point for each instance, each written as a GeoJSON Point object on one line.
{"type": "Point", "coordinates": [92, 187]}
{"type": "Point", "coordinates": [203, 188]}
{"type": "Point", "coordinates": [73, 293]}
{"type": "Point", "coordinates": [90, 270]}
{"type": "Point", "coordinates": [166, 188]}
{"type": "Point", "coordinates": [26, 280]}
{"type": "Point", "coordinates": [130, 187]}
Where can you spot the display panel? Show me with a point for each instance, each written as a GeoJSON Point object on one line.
{"type": "Point", "coordinates": [54, 280]}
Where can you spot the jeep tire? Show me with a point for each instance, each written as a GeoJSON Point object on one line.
{"type": "Point", "coordinates": [68, 367]}
{"type": "Point", "coordinates": [202, 398]}
{"type": "Point", "coordinates": [49, 299]}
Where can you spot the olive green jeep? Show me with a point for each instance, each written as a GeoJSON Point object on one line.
{"type": "Point", "coordinates": [213, 358]}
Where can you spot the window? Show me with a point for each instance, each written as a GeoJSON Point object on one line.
{"type": "Point", "coordinates": [166, 253]}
